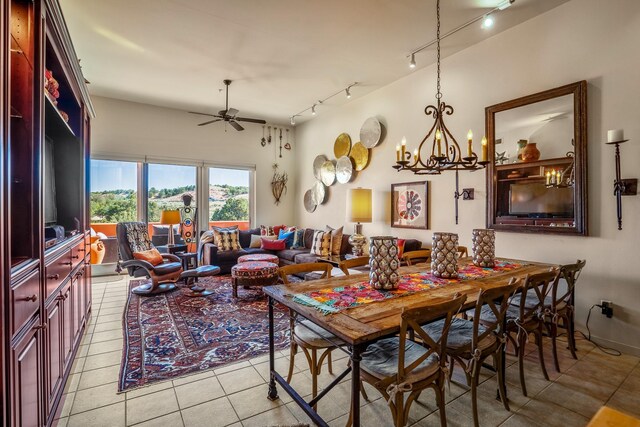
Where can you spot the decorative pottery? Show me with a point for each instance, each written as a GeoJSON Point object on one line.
{"type": "Point", "coordinates": [342, 146]}
{"type": "Point", "coordinates": [383, 262]}
{"type": "Point", "coordinates": [360, 156]}
{"type": "Point", "coordinates": [521, 144]}
{"type": "Point", "coordinates": [484, 247]}
{"type": "Point", "coordinates": [309, 204]}
{"type": "Point", "coordinates": [317, 165]}
{"type": "Point", "coordinates": [318, 193]}
{"type": "Point", "coordinates": [370, 132]}
{"type": "Point", "coordinates": [328, 173]}
{"type": "Point", "coordinates": [344, 169]}
{"type": "Point", "coordinates": [530, 152]}
{"type": "Point", "coordinates": [444, 255]}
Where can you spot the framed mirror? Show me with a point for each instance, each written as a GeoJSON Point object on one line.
{"type": "Point", "coordinates": [538, 179]}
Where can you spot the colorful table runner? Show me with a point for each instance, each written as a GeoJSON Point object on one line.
{"type": "Point", "coordinates": [333, 300]}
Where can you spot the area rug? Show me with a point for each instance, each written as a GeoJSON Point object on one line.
{"type": "Point", "coordinates": [170, 335]}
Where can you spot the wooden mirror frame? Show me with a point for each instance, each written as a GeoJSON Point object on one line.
{"type": "Point", "coordinates": [579, 92]}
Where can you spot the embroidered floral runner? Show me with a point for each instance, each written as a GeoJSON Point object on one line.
{"type": "Point", "coordinates": [333, 300]}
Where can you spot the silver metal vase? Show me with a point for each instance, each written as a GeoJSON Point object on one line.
{"type": "Point", "coordinates": [484, 247]}
{"type": "Point", "coordinates": [383, 262]}
{"type": "Point", "coordinates": [444, 255]}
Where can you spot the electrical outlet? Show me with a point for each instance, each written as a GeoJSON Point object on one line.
{"type": "Point", "coordinates": [607, 308]}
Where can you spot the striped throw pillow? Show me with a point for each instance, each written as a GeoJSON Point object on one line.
{"type": "Point", "coordinates": [321, 243]}
{"type": "Point", "coordinates": [227, 240]}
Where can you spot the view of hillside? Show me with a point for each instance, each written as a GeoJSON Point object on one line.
{"type": "Point", "coordinates": [226, 203]}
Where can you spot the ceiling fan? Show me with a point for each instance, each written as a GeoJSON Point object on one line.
{"type": "Point", "coordinates": [228, 114]}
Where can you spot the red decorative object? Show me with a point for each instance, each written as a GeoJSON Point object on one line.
{"type": "Point", "coordinates": [273, 245]}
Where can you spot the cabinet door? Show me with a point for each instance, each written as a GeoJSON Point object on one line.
{"type": "Point", "coordinates": [67, 323]}
{"type": "Point", "coordinates": [87, 289]}
{"type": "Point", "coordinates": [78, 303]}
{"type": "Point", "coordinates": [54, 355]}
{"type": "Point", "coordinates": [27, 377]}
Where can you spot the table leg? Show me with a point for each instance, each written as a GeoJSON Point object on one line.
{"type": "Point", "coordinates": [273, 391]}
{"type": "Point", "coordinates": [356, 352]}
{"type": "Point", "coordinates": [234, 284]}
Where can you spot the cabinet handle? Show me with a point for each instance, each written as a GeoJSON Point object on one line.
{"type": "Point", "coordinates": [75, 256]}
{"type": "Point", "coordinates": [81, 249]}
{"type": "Point", "coordinates": [33, 298]}
{"type": "Point", "coordinates": [53, 277]}
{"type": "Point", "coordinates": [66, 263]}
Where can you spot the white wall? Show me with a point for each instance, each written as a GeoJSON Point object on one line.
{"type": "Point", "coordinates": [125, 129]}
{"type": "Point", "coordinates": [583, 39]}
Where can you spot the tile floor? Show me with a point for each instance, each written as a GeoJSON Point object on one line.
{"type": "Point", "coordinates": [235, 395]}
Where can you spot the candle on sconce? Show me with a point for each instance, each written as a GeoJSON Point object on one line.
{"type": "Point", "coordinates": [397, 152]}
{"type": "Point", "coordinates": [404, 146]}
{"type": "Point", "coordinates": [469, 140]}
{"type": "Point", "coordinates": [553, 176]}
{"type": "Point", "coordinates": [615, 135]}
{"type": "Point", "coordinates": [548, 174]}
{"type": "Point", "coordinates": [415, 155]}
{"type": "Point", "coordinates": [484, 149]}
{"type": "Point", "coordinates": [438, 139]}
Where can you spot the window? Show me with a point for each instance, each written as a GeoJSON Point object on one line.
{"type": "Point", "coordinates": [166, 186]}
{"type": "Point", "coordinates": [114, 195]}
{"type": "Point", "coordinates": [229, 197]}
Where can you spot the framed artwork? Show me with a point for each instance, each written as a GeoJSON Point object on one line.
{"type": "Point", "coordinates": [410, 205]}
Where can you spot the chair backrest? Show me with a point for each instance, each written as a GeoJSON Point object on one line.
{"type": "Point", "coordinates": [416, 257]}
{"type": "Point", "coordinates": [411, 319]}
{"type": "Point", "coordinates": [570, 273]}
{"type": "Point", "coordinates": [352, 263]}
{"type": "Point", "coordinates": [497, 300]}
{"type": "Point", "coordinates": [132, 237]}
{"type": "Point", "coordinates": [307, 267]}
{"type": "Point", "coordinates": [463, 252]}
{"type": "Point", "coordinates": [531, 304]}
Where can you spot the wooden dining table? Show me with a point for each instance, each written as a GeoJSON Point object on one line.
{"type": "Point", "coordinates": [364, 324]}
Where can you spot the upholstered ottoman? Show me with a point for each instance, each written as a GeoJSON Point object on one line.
{"type": "Point", "coordinates": [253, 273]}
{"type": "Point", "coordinates": [191, 276]}
{"type": "Point", "coordinates": [260, 258]}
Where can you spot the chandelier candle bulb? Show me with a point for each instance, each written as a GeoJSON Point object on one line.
{"type": "Point", "coordinates": [548, 177]}
{"type": "Point", "coordinates": [484, 149]}
{"type": "Point", "coordinates": [404, 146]}
{"type": "Point", "coordinates": [470, 140]}
{"type": "Point", "coordinates": [397, 152]}
{"type": "Point", "coordinates": [415, 155]}
{"type": "Point", "coordinates": [615, 135]}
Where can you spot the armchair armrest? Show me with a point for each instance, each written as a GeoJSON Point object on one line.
{"type": "Point", "coordinates": [137, 263]}
{"type": "Point", "coordinates": [210, 254]}
{"type": "Point", "coordinates": [171, 257]}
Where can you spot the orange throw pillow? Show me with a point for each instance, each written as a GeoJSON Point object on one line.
{"type": "Point", "coordinates": [152, 256]}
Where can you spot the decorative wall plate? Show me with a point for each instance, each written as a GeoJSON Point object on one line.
{"type": "Point", "coordinates": [342, 146]}
{"type": "Point", "coordinates": [317, 165]}
{"type": "Point", "coordinates": [370, 132]}
{"type": "Point", "coordinates": [344, 169]}
{"type": "Point", "coordinates": [318, 193]}
{"type": "Point", "coordinates": [309, 206]}
{"type": "Point", "coordinates": [328, 173]}
{"type": "Point", "coordinates": [360, 156]}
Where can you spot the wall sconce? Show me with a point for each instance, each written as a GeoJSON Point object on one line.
{"type": "Point", "coordinates": [621, 187]}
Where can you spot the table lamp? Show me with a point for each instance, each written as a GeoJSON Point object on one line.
{"type": "Point", "coordinates": [359, 212]}
{"type": "Point", "coordinates": [170, 217]}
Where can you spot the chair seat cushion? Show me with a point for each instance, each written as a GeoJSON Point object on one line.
{"type": "Point", "coordinates": [460, 334]}
{"type": "Point", "coordinates": [381, 359]}
{"type": "Point", "coordinates": [486, 314]}
{"type": "Point", "coordinates": [311, 335]}
{"type": "Point", "coordinates": [166, 268]}
{"type": "Point", "coordinates": [532, 299]}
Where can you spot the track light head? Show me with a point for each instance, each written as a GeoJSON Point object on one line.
{"type": "Point", "coordinates": [412, 63]}
{"type": "Point", "coordinates": [348, 93]}
{"type": "Point", "coordinates": [313, 110]}
{"type": "Point", "coordinates": [293, 120]}
{"type": "Point", "coordinates": [487, 22]}
{"type": "Point", "coordinates": [505, 4]}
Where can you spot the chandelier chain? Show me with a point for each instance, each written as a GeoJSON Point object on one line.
{"type": "Point", "coordinates": [438, 92]}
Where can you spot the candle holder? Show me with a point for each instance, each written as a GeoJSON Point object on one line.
{"type": "Point", "coordinates": [622, 187]}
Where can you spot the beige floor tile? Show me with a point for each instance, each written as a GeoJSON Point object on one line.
{"type": "Point", "coordinates": [72, 383]}
{"type": "Point", "coordinates": [173, 419]}
{"type": "Point", "coordinates": [61, 422]}
{"type": "Point", "coordinates": [110, 310]}
{"type": "Point", "coordinates": [590, 386]}
{"type": "Point", "coordinates": [106, 416]}
{"type": "Point", "coordinates": [104, 347]}
{"type": "Point", "coordinates": [252, 401]}
{"type": "Point", "coordinates": [232, 367]}
{"type": "Point", "coordinates": [281, 365]}
{"type": "Point", "coordinates": [142, 391]}
{"type": "Point", "coordinates": [82, 350]}
{"type": "Point", "coordinates": [593, 370]}
{"type": "Point", "coordinates": [279, 415]}
{"type": "Point", "coordinates": [96, 397]}
{"type": "Point", "coordinates": [196, 392]}
{"type": "Point", "coordinates": [114, 334]}
{"type": "Point", "coordinates": [102, 360]}
{"type": "Point", "coordinates": [550, 414]}
{"type": "Point", "coordinates": [98, 377]}
{"type": "Point", "coordinates": [518, 420]}
{"type": "Point", "coordinates": [454, 419]}
{"type": "Point", "coordinates": [215, 413]}
{"type": "Point", "coordinates": [108, 326]}
{"type": "Point", "coordinates": [108, 318]}
{"type": "Point", "coordinates": [151, 406]}
{"type": "Point", "coordinates": [328, 408]}
{"type": "Point", "coordinates": [193, 377]}
{"type": "Point", "coordinates": [572, 399]}
{"type": "Point", "coordinates": [67, 403]}
{"type": "Point", "coordinates": [240, 380]}
{"type": "Point", "coordinates": [626, 401]}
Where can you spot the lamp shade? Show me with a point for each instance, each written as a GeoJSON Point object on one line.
{"type": "Point", "coordinates": [360, 209]}
{"type": "Point", "coordinates": [170, 217]}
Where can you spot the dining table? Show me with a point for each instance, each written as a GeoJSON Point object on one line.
{"type": "Point", "coordinates": [377, 314]}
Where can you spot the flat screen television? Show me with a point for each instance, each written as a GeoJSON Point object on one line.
{"type": "Point", "coordinates": [535, 199]}
{"type": "Point", "coordinates": [50, 208]}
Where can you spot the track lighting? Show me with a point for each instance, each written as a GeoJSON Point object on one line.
{"type": "Point", "coordinates": [348, 93]}
{"type": "Point", "coordinates": [487, 22]}
{"type": "Point", "coordinates": [412, 63]}
{"type": "Point", "coordinates": [293, 120]}
{"type": "Point", "coordinates": [313, 110]}
{"type": "Point", "coordinates": [505, 4]}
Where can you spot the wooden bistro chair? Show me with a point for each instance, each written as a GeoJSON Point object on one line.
{"type": "Point", "coordinates": [527, 317]}
{"type": "Point", "coordinates": [353, 263]}
{"type": "Point", "coordinates": [307, 335]}
{"type": "Point", "coordinates": [463, 252]}
{"type": "Point", "coordinates": [470, 343]}
{"type": "Point", "coordinates": [417, 257]}
{"type": "Point", "coordinates": [398, 365]}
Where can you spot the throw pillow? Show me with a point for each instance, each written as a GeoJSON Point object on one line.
{"type": "Point", "coordinates": [277, 228]}
{"type": "Point", "coordinates": [273, 245]}
{"type": "Point", "coordinates": [228, 240]}
{"type": "Point", "coordinates": [267, 230]}
{"type": "Point", "coordinates": [152, 256]}
{"type": "Point", "coordinates": [321, 243]}
{"type": "Point", "coordinates": [401, 243]}
{"type": "Point", "coordinates": [137, 236]}
{"type": "Point", "coordinates": [336, 239]}
{"type": "Point", "coordinates": [287, 236]}
{"type": "Point", "coordinates": [255, 241]}
{"type": "Point", "coordinates": [298, 239]}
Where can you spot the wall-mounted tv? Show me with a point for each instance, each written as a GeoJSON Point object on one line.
{"type": "Point", "coordinates": [535, 199]}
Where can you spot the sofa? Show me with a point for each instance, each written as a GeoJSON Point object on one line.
{"type": "Point", "coordinates": [227, 259]}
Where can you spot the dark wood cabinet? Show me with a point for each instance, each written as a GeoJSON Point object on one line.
{"type": "Point", "coordinates": [44, 165]}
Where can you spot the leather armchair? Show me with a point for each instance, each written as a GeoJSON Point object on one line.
{"type": "Point", "coordinates": [163, 276]}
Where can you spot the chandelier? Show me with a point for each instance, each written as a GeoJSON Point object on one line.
{"type": "Point", "coordinates": [445, 153]}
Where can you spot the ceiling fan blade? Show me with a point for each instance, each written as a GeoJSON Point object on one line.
{"type": "Point", "coordinates": [209, 122]}
{"type": "Point", "coordinates": [232, 112]}
{"type": "Point", "coordinates": [235, 125]}
{"type": "Point", "coordinates": [202, 114]}
{"type": "Point", "coordinates": [246, 119]}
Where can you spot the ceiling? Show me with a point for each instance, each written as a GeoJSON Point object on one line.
{"type": "Point", "coordinates": [282, 55]}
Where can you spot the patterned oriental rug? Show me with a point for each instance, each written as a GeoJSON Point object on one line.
{"type": "Point", "coordinates": [170, 335]}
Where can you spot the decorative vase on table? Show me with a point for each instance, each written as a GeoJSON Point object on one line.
{"type": "Point", "coordinates": [383, 262]}
{"type": "Point", "coordinates": [444, 255]}
{"type": "Point", "coordinates": [484, 247]}
{"type": "Point", "coordinates": [530, 152]}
